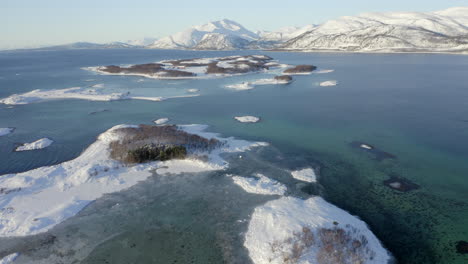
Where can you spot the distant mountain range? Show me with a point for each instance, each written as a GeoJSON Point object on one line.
{"type": "Point", "coordinates": [442, 31]}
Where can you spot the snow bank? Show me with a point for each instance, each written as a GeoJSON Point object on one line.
{"type": "Point", "coordinates": [36, 200]}
{"type": "Point", "coordinates": [161, 121]}
{"type": "Point", "coordinates": [247, 119]}
{"type": "Point", "coordinates": [9, 259]}
{"type": "Point", "coordinates": [260, 185]}
{"type": "Point", "coordinates": [75, 93]}
{"type": "Point", "coordinates": [306, 175]}
{"type": "Point", "coordinates": [38, 144]}
{"type": "Point", "coordinates": [329, 83]}
{"type": "Point", "coordinates": [308, 231]}
{"type": "Point", "coordinates": [6, 130]}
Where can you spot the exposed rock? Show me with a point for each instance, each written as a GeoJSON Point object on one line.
{"type": "Point", "coordinates": [401, 184]}
{"type": "Point", "coordinates": [284, 78]}
{"type": "Point", "coordinates": [462, 247]}
{"type": "Point", "coordinates": [378, 154]}
{"type": "Point", "coordinates": [301, 69]}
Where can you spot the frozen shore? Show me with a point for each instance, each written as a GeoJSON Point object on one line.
{"type": "Point", "coordinates": [35, 201]}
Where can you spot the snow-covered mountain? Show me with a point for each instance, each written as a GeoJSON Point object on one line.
{"type": "Point", "coordinates": [223, 34]}
{"type": "Point", "coordinates": [445, 30]}
{"type": "Point", "coordinates": [141, 42]}
{"type": "Point", "coordinates": [284, 34]}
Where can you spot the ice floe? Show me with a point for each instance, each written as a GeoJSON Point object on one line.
{"type": "Point", "coordinates": [306, 175]}
{"type": "Point", "coordinates": [260, 184]}
{"type": "Point", "coordinates": [291, 230]}
{"type": "Point", "coordinates": [38, 144]}
{"type": "Point", "coordinates": [76, 93]}
{"type": "Point", "coordinates": [6, 130]}
{"type": "Point", "coordinates": [329, 83]}
{"type": "Point", "coordinates": [247, 119]}
{"type": "Point", "coordinates": [161, 121]}
{"type": "Point", "coordinates": [34, 201]}
{"type": "Point", "coordinates": [193, 90]}
{"type": "Point", "coordinates": [250, 85]}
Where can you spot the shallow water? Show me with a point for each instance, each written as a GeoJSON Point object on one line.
{"type": "Point", "coordinates": [411, 105]}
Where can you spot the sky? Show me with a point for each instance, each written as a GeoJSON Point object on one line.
{"type": "Point", "coordinates": [31, 23]}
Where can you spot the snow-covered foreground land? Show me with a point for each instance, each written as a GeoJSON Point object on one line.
{"type": "Point", "coordinates": [35, 201]}
{"type": "Point", "coordinates": [38, 144]}
{"type": "Point", "coordinates": [75, 93]}
{"type": "Point", "coordinates": [291, 230]}
{"type": "Point", "coordinates": [260, 185]}
{"type": "Point", "coordinates": [247, 119]}
{"type": "Point", "coordinates": [6, 130]}
{"type": "Point", "coordinates": [306, 175]}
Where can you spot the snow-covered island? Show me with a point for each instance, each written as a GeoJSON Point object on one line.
{"type": "Point", "coordinates": [292, 230]}
{"type": "Point", "coordinates": [38, 144]}
{"type": "Point", "coordinates": [90, 94]}
{"type": "Point", "coordinates": [247, 119]}
{"type": "Point", "coordinates": [161, 121]}
{"type": "Point", "coordinates": [329, 83]}
{"type": "Point", "coordinates": [119, 158]}
{"type": "Point", "coordinates": [282, 79]}
{"type": "Point", "coordinates": [192, 68]}
{"type": "Point", "coordinates": [6, 130]}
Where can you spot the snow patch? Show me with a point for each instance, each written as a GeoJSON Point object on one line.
{"type": "Point", "coordinates": [260, 185]}
{"type": "Point", "coordinates": [306, 175]}
{"type": "Point", "coordinates": [38, 144]}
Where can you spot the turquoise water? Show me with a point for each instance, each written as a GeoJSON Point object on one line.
{"type": "Point", "coordinates": [411, 105]}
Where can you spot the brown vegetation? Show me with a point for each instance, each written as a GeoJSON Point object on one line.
{"type": "Point", "coordinates": [333, 246]}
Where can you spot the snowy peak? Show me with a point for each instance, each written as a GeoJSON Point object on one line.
{"type": "Point", "coordinates": [189, 38]}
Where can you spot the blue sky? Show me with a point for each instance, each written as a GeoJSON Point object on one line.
{"type": "Point", "coordinates": [43, 22]}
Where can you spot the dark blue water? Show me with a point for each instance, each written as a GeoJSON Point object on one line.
{"type": "Point", "coordinates": [414, 106]}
